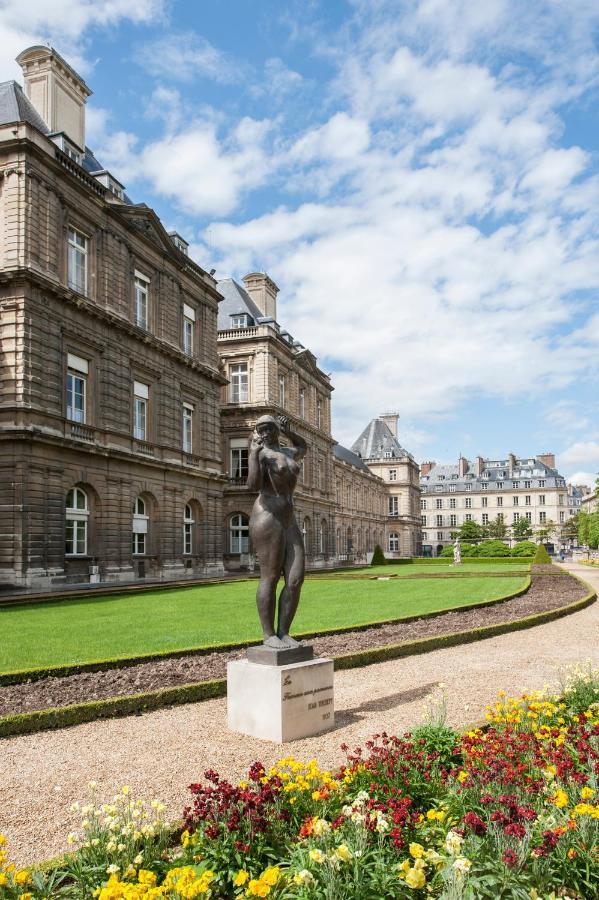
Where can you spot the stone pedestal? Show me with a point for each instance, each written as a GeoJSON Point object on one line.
{"type": "Point", "coordinates": [280, 703]}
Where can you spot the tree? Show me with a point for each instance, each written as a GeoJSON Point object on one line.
{"type": "Point", "coordinates": [470, 532]}
{"type": "Point", "coordinates": [545, 531]}
{"type": "Point", "coordinates": [521, 529]}
{"type": "Point", "coordinates": [497, 529]}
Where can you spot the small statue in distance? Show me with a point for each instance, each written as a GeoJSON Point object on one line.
{"type": "Point", "coordinates": [457, 552]}
{"type": "Point", "coordinates": [277, 540]}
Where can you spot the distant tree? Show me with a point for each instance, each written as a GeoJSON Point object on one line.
{"type": "Point", "coordinates": [471, 532]}
{"type": "Point", "coordinates": [521, 529]}
{"type": "Point", "coordinates": [497, 529]}
{"type": "Point", "coordinates": [378, 557]}
{"type": "Point", "coordinates": [545, 531]}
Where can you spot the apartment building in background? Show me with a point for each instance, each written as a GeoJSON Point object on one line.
{"type": "Point", "coordinates": [512, 488]}
{"type": "Point", "coordinates": [110, 454]}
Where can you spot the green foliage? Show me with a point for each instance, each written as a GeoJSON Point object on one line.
{"type": "Point", "coordinates": [580, 687]}
{"type": "Point", "coordinates": [470, 532]}
{"type": "Point", "coordinates": [467, 550]}
{"type": "Point", "coordinates": [588, 529]}
{"type": "Point", "coordinates": [524, 548]}
{"type": "Point", "coordinates": [378, 557]}
{"type": "Point", "coordinates": [497, 529]}
{"type": "Point", "coordinates": [493, 548]}
{"type": "Point", "coordinates": [521, 529]}
{"type": "Point", "coordinates": [541, 556]}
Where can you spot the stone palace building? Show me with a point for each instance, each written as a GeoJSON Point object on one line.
{"type": "Point", "coordinates": [513, 488]}
{"type": "Point", "coordinates": [130, 378]}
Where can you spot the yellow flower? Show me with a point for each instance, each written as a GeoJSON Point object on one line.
{"type": "Point", "coordinates": [416, 850]}
{"type": "Point", "coordinates": [405, 867]}
{"type": "Point", "coordinates": [462, 776]}
{"type": "Point", "coordinates": [3, 879]}
{"type": "Point", "coordinates": [586, 793]}
{"type": "Point", "coordinates": [415, 878]}
{"type": "Point", "coordinates": [22, 877]}
{"type": "Point", "coordinates": [241, 878]}
{"type": "Point", "coordinates": [303, 877]}
{"type": "Point", "coordinates": [560, 798]}
{"type": "Point", "coordinates": [270, 876]}
{"type": "Point", "coordinates": [257, 888]}
{"type": "Point", "coordinates": [317, 855]}
{"type": "Point", "coordinates": [316, 795]}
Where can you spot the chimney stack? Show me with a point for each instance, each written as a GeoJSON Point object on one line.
{"type": "Point", "coordinates": [425, 467]}
{"type": "Point", "coordinates": [548, 459]}
{"type": "Point", "coordinates": [479, 465]}
{"type": "Point", "coordinates": [263, 292]}
{"type": "Point", "coordinates": [462, 466]}
{"type": "Point", "coordinates": [391, 420]}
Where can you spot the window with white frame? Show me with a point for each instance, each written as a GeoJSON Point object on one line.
{"type": "Point", "coordinates": [439, 535]}
{"type": "Point", "coordinates": [561, 516]}
{"type": "Point", "coordinates": [239, 321]}
{"type": "Point", "coordinates": [439, 503]}
{"type": "Point", "coordinates": [76, 519]}
{"type": "Point", "coordinates": [541, 482]}
{"type": "Point", "coordinates": [77, 372]}
{"type": "Point", "coordinates": [485, 518]}
{"type": "Point", "coordinates": [188, 523]}
{"type": "Point", "coordinates": [451, 488]}
{"type": "Point", "coordinates": [484, 501]}
{"type": "Point", "coordinates": [452, 502]}
{"type": "Point", "coordinates": [393, 506]}
{"type": "Point", "coordinates": [239, 530]}
{"type": "Point", "coordinates": [542, 517]}
{"type": "Point", "coordinates": [302, 403]}
{"type": "Point", "coordinates": [282, 390]}
{"type": "Point", "coordinates": [439, 520]}
{"type": "Point", "coordinates": [515, 501]}
{"type": "Point", "coordinates": [141, 287]}
{"type": "Point", "coordinates": [238, 376]}
{"type": "Point", "coordinates": [423, 504]}
{"type": "Point", "coordinates": [393, 542]}
{"type": "Point", "coordinates": [516, 517]}
{"type": "Point", "coordinates": [500, 517]}
{"type": "Point", "coordinates": [527, 500]}
{"type": "Point", "coordinates": [393, 475]}
{"type": "Point", "coordinates": [140, 527]}
{"type": "Point", "coordinates": [319, 413]}
{"type": "Point", "coordinates": [500, 485]}
{"type": "Point", "coordinates": [239, 458]}
{"type": "Point", "coordinates": [484, 486]}
{"type": "Point", "coordinates": [77, 260]}
{"type": "Point", "coordinates": [423, 520]}
{"type": "Point", "coordinates": [468, 517]}
{"type": "Point", "coordinates": [528, 516]}
{"type": "Point", "coordinates": [468, 502]}
{"type": "Point", "coordinates": [453, 519]}
{"type": "Point", "coordinates": [541, 499]}
{"type": "Point", "coordinates": [500, 501]}
{"type": "Point", "coordinates": [527, 484]}
{"type": "Point", "coordinates": [141, 393]}
{"type": "Point", "coordinates": [187, 428]}
{"type": "Point", "coordinates": [467, 487]}
{"type": "Point", "coordinates": [189, 319]}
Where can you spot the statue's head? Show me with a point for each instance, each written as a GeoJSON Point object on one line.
{"type": "Point", "coordinates": [268, 428]}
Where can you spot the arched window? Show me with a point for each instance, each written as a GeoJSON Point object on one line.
{"type": "Point", "coordinates": [188, 523]}
{"type": "Point", "coordinates": [322, 537]}
{"type": "Point", "coordinates": [239, 528]}
{"type": "Point", "coordinates": [76, 516]}
{"type": "Point", "coordinates": [307, 535]}
{"type": "Point", "coordinates": [393, 542]}
{"type": "Point", "coordinates": [140, 527]}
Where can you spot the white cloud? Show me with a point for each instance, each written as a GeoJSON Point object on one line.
{"type": "Point", "coordinates": [580, 453]}
{"type": "Point", "coordinates": [64, 23]}
{"type": "Point", "coordinates": [588, 478]}
{"type": "Point", "coordinates": [207, 176]}
{"type": "Point", "coordinates": [278, 81]}
{"type": "Point", "coordinates": [186, 56]}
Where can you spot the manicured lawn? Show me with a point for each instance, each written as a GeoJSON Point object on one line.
{"type": "Point", "coordinates": [511, 566]}
{"type": "Point", "coordinates": [83, 630]}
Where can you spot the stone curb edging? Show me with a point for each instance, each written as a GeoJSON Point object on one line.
{"type": "Point", "coordinates": [60, 717]}
{"type": "Point", "coordinates": [24, 675]}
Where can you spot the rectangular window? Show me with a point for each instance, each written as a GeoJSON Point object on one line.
{"type": "Point", "coordinates": [238, 375]}
{"type": "Point", "coordinates": [189, 318]}
{"type": "Point", "coordinates": [542, 482]}
{"type": "Point", "coordinates": [515, 485]}
{"type": "Point", "coordinates": [282, 391]}
{"type": "Point", "coordinates": [78, 245]}
{"type": "Point", "coordinates": [393, 476]}
{"type": "Point", "coordinates": [484, 486]}
{"type": "Point", "coordinates": [468, 502]}
{"type": "Point", "coordinates": [468, 517]}
{"type": "Point", "coordinates": [541, 499]}
{"type": "Point", "coordinates": [451, 488]}
{"type": "Point", "coordinates": [141, 300]}
{"type": "Point", "coordinates": [439, 535]}
{"type": "Point", "coordinates": [77, 372]}
{"type": "Point", "coordinates": [528, 516]}
{"type": "Point", "coordinates": [484, 501]}
{"type": "Point", "coordinates": [452, 502]}
{"type": "Point", "coordinates": [500, 485]}
{"type": "Point", "coordinates": [393, 506]}
{"type": "Point", "coordinates": [319, 414]}
{"type": "Point", "coordinates": [423, 520]}
{"type": "Point", "coordinates": [515, 501]}
{"type": "Point", "coordinates": [542, 517]}
{"type": "Point", "coordinates": [187, 538]}
{"type": "Point", "coordinates": [467, 487]}
{"type": "Point", "coordinates": [187, 428]}
{"type": "Point", "coordinates": [439, 520]}
{"type": "Point", "coordinates": [139, 543]}
{"type": "Point", "coordinates": [527, 484]}
{"type": "Point", "coordinates": [485, 518]}
{"type": "Point", "coordinates": [76, 537]}
{"type": "Point", "coordinates": [500, 501]}
{"type": "Point", "coordinates": [500, 517]}
{"type": "Point", "coordinates": [439, 503]}
{"type": "Point", "coordinates": [516, 517]}
{"type": "Point", "coordinates": [302, 403]}
{"type": "Point", "coordinates": [239, 458]}
{"type": "Point", "coordinates": [561, 516]}
{"type": "Point", "coordinates": [453, 519]}
{"type": "Point", "coordinates": [141, 393]}
{"type": "Point", "coordinates": [527, 500]}
{"type": "Point", "coordinates": [423, 504]}
{"type": "Point", "coordinates": [239, 321]}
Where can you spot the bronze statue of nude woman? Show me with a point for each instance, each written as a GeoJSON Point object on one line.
{"type": "Point", "coordinates": [276, 537]}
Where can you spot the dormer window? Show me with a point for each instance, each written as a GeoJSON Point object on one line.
{"type": "Point", "coordinates": [110, 183]}
{"type": "Point", "coordinates": [179, 242]}
{"type": "Point", "coordinates": [68, 148]}
{"type": "Point", "coordinates": [239, 321]}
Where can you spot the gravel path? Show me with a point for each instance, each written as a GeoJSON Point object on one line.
{"type": "Point", "coordinates": [160, 753]}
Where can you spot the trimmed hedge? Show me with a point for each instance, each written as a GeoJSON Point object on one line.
{"type": "Point", "coordinates": [541, 556]}
{"type": "Point", "coordinates": [378, 557]}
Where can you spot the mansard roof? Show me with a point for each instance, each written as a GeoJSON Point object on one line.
{"type": "Point", "coordinates": [347, 456]}
{"type": "Point", "coordinates": [493, 471]}
{"type": "Point", "coordinates": [377, 442]}
{"type": "Point", "coordinates": [16, 107]}
{"type": "Point", "coordinates": [237, 302]}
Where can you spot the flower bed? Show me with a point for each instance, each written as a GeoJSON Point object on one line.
{"type": "Point", "coordinates": [506, 811]}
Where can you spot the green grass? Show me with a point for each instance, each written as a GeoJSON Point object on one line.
{"type": "Point", "coordinates": [95, 628]}
{"type": "Point", "coordinates": [510, 567]}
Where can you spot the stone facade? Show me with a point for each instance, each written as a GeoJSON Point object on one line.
{"type": "Point", "coordinates": [109, 409]}
{"type": "Point", "coordinates": [512, 488]}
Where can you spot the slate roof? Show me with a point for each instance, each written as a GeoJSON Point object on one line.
{"type": "Point", "coordinates": [237, 302]}
{"type": "Point", "coordinates": [16, 107]}
{"type": "Point", "coordinates": [377, 442]}
{"type": "Point", "coordinates": [345, 455]}
{"type": "Point", "coordinates": [495, 472]}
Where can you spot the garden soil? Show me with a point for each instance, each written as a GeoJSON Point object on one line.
{"type": "Point", "coordinates": [160, 753]}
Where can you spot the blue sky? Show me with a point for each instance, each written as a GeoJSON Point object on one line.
{"type": "Point", "coordinates": [419, 178]}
